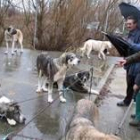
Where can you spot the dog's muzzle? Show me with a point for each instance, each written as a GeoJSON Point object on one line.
{"type": "Point", "coordinates": [79, 61]}
{"type": "Point", "coordinates": [22, 119]}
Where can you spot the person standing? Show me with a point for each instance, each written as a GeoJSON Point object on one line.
{"type": "Point", "coordinates": [129, 60]}
{"type": "Point", "coordinates": [132, 70]}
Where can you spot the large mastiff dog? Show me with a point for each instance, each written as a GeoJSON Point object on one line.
{"type": "Point", "coordinates": [101, 47]}
{"type": "Point", "coordinates": [82, 125]}
{"type": "Point", "coordinates": [51, 70]}
{"type": "Point", "coordinates": [13, 35]}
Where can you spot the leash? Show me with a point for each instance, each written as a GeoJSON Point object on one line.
{"type": "Point", "coordinates": [91, 80]}
{"type": "Point", "coordinates": [125, 115]}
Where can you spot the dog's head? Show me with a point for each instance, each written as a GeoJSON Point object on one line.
{"type": "Point", "coordinates": [11, 30]}
{"type": "Point", "coordinates": [14, 112]}
{"type": "Point", "coordinates": [70, 59]}
{"type": "Point", "coordinates": [109, 45]}
{"type": "Point", "coordinates": [83, 76]}
{"type": "Point", "coordinates": [11, 111]}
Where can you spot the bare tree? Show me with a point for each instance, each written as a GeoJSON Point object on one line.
{"type": "Point", "coordinates": [4, 5]}
{"type": "Point", "coordinates": [62, 24]}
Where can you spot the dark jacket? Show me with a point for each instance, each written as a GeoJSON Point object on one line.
{"type": "Point", "coordinates": [134, 40]}
{"type": "Point", "coordinates": [134, 59]}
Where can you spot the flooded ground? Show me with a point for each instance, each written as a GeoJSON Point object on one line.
{"type": "Point", "coordinates": [18, 79]}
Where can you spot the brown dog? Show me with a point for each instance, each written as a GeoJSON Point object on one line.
{"type": "Point", "coordinates": [82, 124]}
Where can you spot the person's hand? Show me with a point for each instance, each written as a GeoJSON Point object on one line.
{"type": "Point", "coordinates": [135, 88]}
{"type": "Point", "coordinates": [121, 62]}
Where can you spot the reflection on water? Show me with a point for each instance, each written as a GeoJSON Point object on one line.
{"type": "Point", "coordinates": [52, 122]}
{"type": "Point", "coordinates": [12, 63]}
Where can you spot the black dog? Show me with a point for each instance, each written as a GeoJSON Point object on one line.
{"type": "Point", "coordinates": [77, 82]}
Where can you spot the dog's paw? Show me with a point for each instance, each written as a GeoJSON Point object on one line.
{"type": "Point", "coordinates": [11, 122]}
{"type": "Point", "coordinates": [62, 99]}
{"type": "Point", "coordinates": [50, 99]}
{"type": "Point", "coordinates": [99, 58]}
{"type": "Point", "coordinates": [44, 89]}
{"type": "Point", "coordinates": [21, 51]}
{"type": "Point", "coordinates": [38, 90]}
{"type": "Point", "coordinates": [88, 57]}
{"type": "Point", "coordinates": [12, 53]}
{"type": "Point", "coordinates": [6, 52]}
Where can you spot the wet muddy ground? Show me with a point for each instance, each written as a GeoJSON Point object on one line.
{"type": "Point", "coordinates": [18, 79]}
{"type": "Point", "coordinates": [110, 114]}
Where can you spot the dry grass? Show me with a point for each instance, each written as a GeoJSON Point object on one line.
{"type": "Point", "coordinates": [63, 26]}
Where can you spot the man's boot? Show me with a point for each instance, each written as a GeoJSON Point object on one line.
{"type": "Point", "coordinates": [134, 122]}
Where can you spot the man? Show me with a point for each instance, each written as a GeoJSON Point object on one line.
{"type": "Point", "coordinates": [132, 70]}
{"type": "Point", "coordinates": [129, 60]}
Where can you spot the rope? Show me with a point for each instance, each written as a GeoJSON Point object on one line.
{"type": "Point", "coordinates": [91, 80]}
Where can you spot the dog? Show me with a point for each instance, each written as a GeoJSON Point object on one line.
{"type": "Point", "coordinates": [15, 36]}
{"type": "Point", "coordinates": [10, 110]}
{"type": "Point", "coordinates": [82, 124]}
{"type": "Point", "coordinates": [52, 70]}
{"type": "Point", "coordinates": [78, 82]}
{"type": "Point", "coordinates": [101, 47]}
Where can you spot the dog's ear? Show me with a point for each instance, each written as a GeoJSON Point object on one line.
{"type": "Point", "coordinates": [14, 32]}
{"type": "Point", "coordinates": [63, 58]}
{"type": "Point", "coordinates": [8, 29]}
{"type": "Point", "coordinates": [88, 74]}
{"type": "Point", "coordinates": [13, 106]}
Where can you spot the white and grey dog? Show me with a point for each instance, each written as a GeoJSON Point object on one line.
{"type": "Point", "coordinates": [15, 36]}
{"type": "Point", "coordinates": [101, 47]}
{"type": "Point", "coordinates": [10, 111]}
{"type": "Point", "coordinates": [52, 70]}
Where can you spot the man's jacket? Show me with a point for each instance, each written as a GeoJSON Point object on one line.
{"type": "Point", "coordinates": [134, 40]}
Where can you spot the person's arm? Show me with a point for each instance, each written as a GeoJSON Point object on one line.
{"type": "Point", "coordinates": [133, 58]}
{"type": "Point", "coordinates": [129, 60]}
{"type": "Point", "coordinates": [135, 46]}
